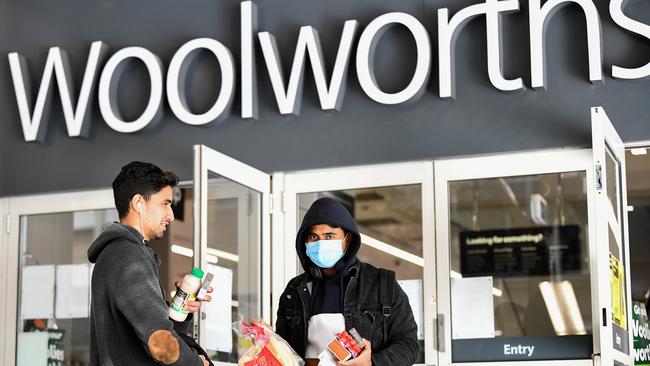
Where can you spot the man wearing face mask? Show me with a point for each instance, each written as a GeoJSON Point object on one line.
{"type": "Point", "coordinates": [338, 292]}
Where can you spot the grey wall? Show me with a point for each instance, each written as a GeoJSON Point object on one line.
{"type": "Point", "coordinates": [480, 120]}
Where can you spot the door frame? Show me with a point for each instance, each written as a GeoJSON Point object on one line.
{"type": "Point", "coordinates": [287, 186]}
{"type": "Point", "coordinates": [15, 207]}
{"type": "Point", "coordinates": [494, 166]}
{"type": "Point", "coordinates": [605, 139]}
{"type": "Point", "coordinates": [206, 161]}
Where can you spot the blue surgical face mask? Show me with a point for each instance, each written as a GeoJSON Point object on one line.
{"type": "Point", "coordinates": [325, 253]}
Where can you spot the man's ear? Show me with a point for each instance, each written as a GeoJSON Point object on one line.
{"type": "Point", "coordinates": [136, 202]}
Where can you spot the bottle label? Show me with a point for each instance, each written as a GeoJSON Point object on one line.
{"type": "Point", "coordinates": [178, 302]}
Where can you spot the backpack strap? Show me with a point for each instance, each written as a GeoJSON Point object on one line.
{"type": "Point", "coordinates": [386, 295]}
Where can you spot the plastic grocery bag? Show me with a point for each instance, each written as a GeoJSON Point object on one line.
{"type": "Point", "coordinates": [269, 349]}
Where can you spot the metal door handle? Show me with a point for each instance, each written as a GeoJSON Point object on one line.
{"type": "Point", "coordinates": [440, 331]}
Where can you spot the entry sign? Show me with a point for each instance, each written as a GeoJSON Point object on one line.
{"type": "Point", "coordinates": [520, 252]}
{"type": "Point", "coordinates": [641, 332]}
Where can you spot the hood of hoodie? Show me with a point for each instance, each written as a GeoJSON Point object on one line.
{"type": "Point", "coordinates": [330, 212]}
{"type": "Point", "coordinates": [113, 231]}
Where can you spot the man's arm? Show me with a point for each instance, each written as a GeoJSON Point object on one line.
{"type": "Point", "coordinates": [185, 326]}
{"type": "Point", "coordinates": [401, 348]}
{"type": "Point", "coordinates": [139, 299]}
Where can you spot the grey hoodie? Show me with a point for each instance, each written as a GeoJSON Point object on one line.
{"type": "Point", "coordinates": [127, 301]}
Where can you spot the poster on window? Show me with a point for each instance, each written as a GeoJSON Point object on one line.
{"type": "Point", "coordinates": [620, 335]}
{"type": "Point", "coordinates": [534, 251]}
{"type": "Point", "coordinates": [617, 274]}
{"type": "Point", "coordinates": [55, 348]}
{"type": "Point", "coordinates": [219, 310]}
{"type": "Point", "coordinates": [641, 332]}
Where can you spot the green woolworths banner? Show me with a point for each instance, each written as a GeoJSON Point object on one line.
{"type": "Point", "coordinates": [641, 334]}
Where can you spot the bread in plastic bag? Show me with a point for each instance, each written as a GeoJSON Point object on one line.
{"type": "Point", "coordinates": [269, 349]}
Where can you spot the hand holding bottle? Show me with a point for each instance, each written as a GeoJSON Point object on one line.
{"type": "Point", "coordinates": [194, 306]}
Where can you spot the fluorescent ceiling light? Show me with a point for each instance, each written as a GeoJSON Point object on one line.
{"type": "Point", "coordinates": [223, 255]}
{"type": "Point", "coordinates": [562, 307]}
{"type": "Point", "coordinates": [387, 248]}
{"type": "Point", "coordinates": [212, 258]}
{"type": "Point", "coordinates": [630, 208]}
{"type": "Point", "coordinates": [184, 251]}
{"type": "Point", "coordinates": [639, 151]}
{"type": "Point", "coordinates": [569, 299]}
{"type": "Point", "coordinates": [212, 255]}
{"type": "Point", "coordinates": [496, 292]}
{"type": "Point", "coordinates": [553, 308]}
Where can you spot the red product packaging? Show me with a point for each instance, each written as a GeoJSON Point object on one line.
{"type": "Point", "coordinates": [346, 345]}
{"type": "Point", "coordinates": [268, 348]}
{"type": "Point", "coordinates": [264, 358]}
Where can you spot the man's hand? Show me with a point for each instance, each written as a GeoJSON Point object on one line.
{"type": "Point", "coordinates": [194, 306]}
{"type": "Point", "coordinates": [364, 358]}
{"type": "Point", "coordinates": [205, 362]}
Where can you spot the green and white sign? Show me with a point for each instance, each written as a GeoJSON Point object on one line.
{"type": "Point", "coordinates": [641, 332]}
{"type": "Point", "coordinates": [55, 350]}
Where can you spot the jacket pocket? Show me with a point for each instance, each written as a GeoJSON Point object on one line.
{"type": "Point", "coordinates": [372, 324]}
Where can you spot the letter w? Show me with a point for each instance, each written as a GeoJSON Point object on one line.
{"type": "Point", "coordinates": [76, 119]}
{"type": "Point", "coordinates": [290, 99]}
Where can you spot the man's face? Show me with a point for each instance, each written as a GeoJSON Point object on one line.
{"type": "Point", "coordinates": [157, 213]}
{"type": "Point", "coordinates": [326, 232]}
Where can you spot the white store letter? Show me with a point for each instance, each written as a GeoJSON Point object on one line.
{"type": "Point", "coordinates": [177, 75]}
{"type": "Point", "coordinates": [366, 54]}
{"type": "Point", "coordinates": [34, 121]}
{"type": "Point", "coordinates": [107, 93]}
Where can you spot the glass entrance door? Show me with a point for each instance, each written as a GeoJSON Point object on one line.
{"type": "Point", "coordinates": [232, 237]}
{"type": "Point", "coordinates": [612, 241]}
{"type": "Point", "coordinates": [514, 261]}
{"type": "Point", "coordinates": [392, 205]}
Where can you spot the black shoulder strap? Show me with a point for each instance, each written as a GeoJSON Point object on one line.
{"type": "Point", "coordinates": [386, 295]}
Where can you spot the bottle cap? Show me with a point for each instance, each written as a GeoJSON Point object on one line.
{"type": "Point", "coordinates": [197, 272]}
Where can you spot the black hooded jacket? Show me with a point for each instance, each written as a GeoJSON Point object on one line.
{"type": "Point", "coordinates": [354, 291]}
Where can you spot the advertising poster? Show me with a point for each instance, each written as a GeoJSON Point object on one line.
{"type": "Point", "coordinates": [617, 276]}
{"type": "Point", "coordinates": [641, 332]}
{"type": "Point", "coordinates": [520, 252]}
{"type": "Point", "coordinates": [55, 351]}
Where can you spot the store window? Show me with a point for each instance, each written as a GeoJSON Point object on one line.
{"type": "Point", "coordinates": [519, 260]}
{"type": "Point", "coordinates": [233, 257]}
{"type": "Point", "coordinates": [390, 222]}
{"type": "Point", "coordinates": [54, 294]}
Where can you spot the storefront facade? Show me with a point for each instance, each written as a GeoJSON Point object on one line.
{"type": "Point", "coordinates": [529, 99]}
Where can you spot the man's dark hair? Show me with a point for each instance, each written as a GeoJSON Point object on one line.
{"type": "Point", "coordinates": [139, 178]}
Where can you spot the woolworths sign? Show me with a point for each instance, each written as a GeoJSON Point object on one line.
{"type": "Point", "coordinates": [330, 87]}
{"type": "Point", "coordinates": [641, 335]}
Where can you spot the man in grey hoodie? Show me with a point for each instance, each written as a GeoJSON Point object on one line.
{"type": "Point", "coordinates": [129, 317]}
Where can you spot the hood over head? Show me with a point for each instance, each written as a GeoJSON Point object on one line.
{"type": "Point", "coordinates": [113, 231]}
{"type": "Point", "coordinates": [330, 212]}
